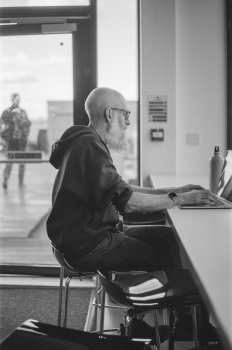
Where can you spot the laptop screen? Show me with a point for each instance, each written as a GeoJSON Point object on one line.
{"type": "Point", "coordinates": [225, 181]}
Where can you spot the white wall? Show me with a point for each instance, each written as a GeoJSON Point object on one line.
{"type": "Point", "coordinates": [200, 81]}
{"type": "Point", "coordinates": [184, 56]}
{"type": "Point", "coordinates": [158, 78]}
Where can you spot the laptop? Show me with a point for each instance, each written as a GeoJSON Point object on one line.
{"type": "Point", "coordinates": [224, 190]}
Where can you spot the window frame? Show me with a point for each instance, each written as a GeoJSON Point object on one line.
{"type": "Point", "coordinates": [66, 12]}
{"type": "Point", "coordinates": [229, 73]}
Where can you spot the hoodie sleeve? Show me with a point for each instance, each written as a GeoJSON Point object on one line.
{"type": "Point", "coordinates": [89, 173]}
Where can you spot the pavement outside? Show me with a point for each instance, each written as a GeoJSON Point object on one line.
{"type": "Point", "coordinates": [23, 213]}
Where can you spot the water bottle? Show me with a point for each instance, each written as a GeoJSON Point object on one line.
{"type": "Point", "coordinates": [216, 164]}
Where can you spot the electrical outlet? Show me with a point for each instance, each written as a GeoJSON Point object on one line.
{"type": "Point", "coordinates": [192, 139]}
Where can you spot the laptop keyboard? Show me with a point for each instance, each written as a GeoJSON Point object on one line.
{"type": "Point", "coordinates": [225, 205]}
{"type": "Point", "coordinates": [225, 202]}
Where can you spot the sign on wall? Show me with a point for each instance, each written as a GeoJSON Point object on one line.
{"type": "Point", "coordinates": [157, 108]}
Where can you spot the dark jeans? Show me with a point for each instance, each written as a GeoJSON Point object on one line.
{"type": "Point", "coordinates": [141, 247]}
{"type": "Point", "coordinates": [15, 145]}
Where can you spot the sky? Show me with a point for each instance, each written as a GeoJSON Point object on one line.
{"type": "Point", "coordinates": [40, 67]}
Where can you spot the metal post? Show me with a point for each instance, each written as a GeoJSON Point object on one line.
{"type": "Point", "coordinates": [157, 335]}
{"type": "Point", "coordinates": [60, 296]}
{"type": "Point", "coordinates": [195, 331]}
{"type": "Point", "coordinates": [102, 312]}
{"type": "Point", "coordinates": [68, 279]}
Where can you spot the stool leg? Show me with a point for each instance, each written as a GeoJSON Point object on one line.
{"type": "Point", "coordinates": [102, 310]}
{"type": "Point", "coordinates": [60, 296]}
{"type": "Point", "coordinates": [96, 302]}
{"type": "Point", "coordinates": [203, 326]}
{"type": "Point", "coordinates": [195, 330]}
{"type": "Point", "coordinates": [127, 322]}
{"type": "Point", "coordinates": [157, 335]}
{"type": "Point", "coordinates": [172, 329]}
{"type": "Point", "coordinates": [67, 282]}
{"type": "Point", "coordinates": [165, 316]}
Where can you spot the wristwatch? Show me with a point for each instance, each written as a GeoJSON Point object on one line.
{"type": "Point", "coordinates": [174, 197]}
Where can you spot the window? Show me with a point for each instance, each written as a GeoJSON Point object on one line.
{"type": "Point", "coordinates": [39, 69]}
{"type": "Point", "coordinates": [118, 69]}
{"type": "Point", "coordinates": [53, 73]}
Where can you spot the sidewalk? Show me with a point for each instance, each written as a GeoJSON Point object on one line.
{"type": "Point", "coordinates": [23, 213]}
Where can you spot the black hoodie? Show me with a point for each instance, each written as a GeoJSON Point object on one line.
{"type": "Point", "coordinates": [87, 192]}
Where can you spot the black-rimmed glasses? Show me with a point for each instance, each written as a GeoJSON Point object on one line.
{"type": "Point", "coordinates": [125, 112]}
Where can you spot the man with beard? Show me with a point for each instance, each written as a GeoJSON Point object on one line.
{"type": "Point", "coordinates": [88, 195]}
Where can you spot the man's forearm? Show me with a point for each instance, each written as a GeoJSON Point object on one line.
{"type": "Point", "coordinates": [150, 190]}
{"type": "Point", "coordinates": [147, 202]}
{"type": "Point", "coordinates": [166, 190]}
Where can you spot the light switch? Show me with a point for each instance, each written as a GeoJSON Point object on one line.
{"type": "Point", "coordinates": [157, 134]}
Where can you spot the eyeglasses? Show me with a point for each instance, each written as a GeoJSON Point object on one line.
{"type": "Point", "coordinates": [125, 112]}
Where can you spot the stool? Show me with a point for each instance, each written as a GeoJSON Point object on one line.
{"type": "Point", "coordinates": [180, 290]}
{"type": "Point", "coordinates": [66, 269]}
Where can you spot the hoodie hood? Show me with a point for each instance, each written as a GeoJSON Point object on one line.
{"type": "Point", "coordinates": [59, 147]}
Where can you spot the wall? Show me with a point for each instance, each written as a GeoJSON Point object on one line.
{"type": "Point", "coordinates": [200, 81]}
{"type": "Point", "coordinates": [158, 78]}
{"type": "Point", "coordinates": [183, 56]}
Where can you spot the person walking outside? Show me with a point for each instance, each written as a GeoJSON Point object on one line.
{"type": "Point", "coordinates": [14, 130]}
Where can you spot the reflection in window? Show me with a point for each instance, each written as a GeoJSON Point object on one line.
{"type": "Point", "coordinates": [36, 84]}
{"type": "Point", "coordinates": [118, 69]}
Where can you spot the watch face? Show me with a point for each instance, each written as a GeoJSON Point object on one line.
{"type": "Point", "coordinates": [172, 195]}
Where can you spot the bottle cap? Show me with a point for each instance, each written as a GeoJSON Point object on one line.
{"type": "Point", "coordinates": [216, 149]}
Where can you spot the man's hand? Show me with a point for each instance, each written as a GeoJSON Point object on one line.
{"type": "Point", "coordinates": [188, 188]}
{"type": "Point", "coordinates": [199, 197]}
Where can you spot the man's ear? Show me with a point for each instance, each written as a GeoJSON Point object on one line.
{"type": "Point", "coordinates": [108, 114]}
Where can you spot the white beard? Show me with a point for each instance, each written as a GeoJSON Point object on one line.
{"type": "Point", "coordinates": [116, 138]}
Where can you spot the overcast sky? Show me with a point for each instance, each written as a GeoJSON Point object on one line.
{"type": "Point", "coordinates": [40, 67]}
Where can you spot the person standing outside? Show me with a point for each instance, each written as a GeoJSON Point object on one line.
{"type": "Point", "coordinates": [14, 130]}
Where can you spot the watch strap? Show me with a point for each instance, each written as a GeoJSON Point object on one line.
{"type": "Point", "coordinates": [174, 197]}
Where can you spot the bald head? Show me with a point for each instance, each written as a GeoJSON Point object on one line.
{"type": "Point", "coordinates": [99, 100]}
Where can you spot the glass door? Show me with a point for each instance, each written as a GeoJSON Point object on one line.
{"type": "Point", "coordinates": [38, 69]}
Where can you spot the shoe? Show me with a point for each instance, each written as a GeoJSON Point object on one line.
{"type": "Point", "coordinates": [183, 330]}
{"type": "Point", "coordinates": [140, 329]}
